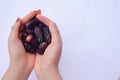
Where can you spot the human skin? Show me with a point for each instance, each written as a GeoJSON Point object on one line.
{"type": "Point", "coordinates": [47, 64]}
{"type": "Point", "coordinates": [22, 62]}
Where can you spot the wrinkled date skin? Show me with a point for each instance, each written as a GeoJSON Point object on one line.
{"type": "Point", "coordinates": [35, 36]}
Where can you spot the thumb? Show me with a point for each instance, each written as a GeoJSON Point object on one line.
{"type": "Point", "coordinates": [14, 35]}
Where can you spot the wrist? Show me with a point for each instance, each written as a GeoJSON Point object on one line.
{"type": "Point", "coordinates": [16, 72]}
{"type": "Point", "coordinates": [22, 68]}
{"type": "Point", "coordinates": [48, 73]}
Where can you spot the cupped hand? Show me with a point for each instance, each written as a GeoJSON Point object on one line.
{"type": "Point", "coordinates": [18, 54]}
{"type": "Point", "coordinates": [21, 62]}
{"type": "Point", "coordinates": [48, 62]}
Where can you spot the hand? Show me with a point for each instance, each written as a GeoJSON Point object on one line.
{"type": "Point", "coordinates": [46, 66]}
{"type": "Point", "coordinates": [21, 62]}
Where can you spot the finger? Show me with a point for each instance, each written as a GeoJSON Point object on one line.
{"type": "Point", "coordinates": [56, 38]}
{"type": "Point", "coordinates": [30, 16]}
{"type": "Point", "coordinates": [15, 30]}
{"type": "Point", "coordinates": [44, 19]}
{"type": "Point", "coordinates": [54, 49]}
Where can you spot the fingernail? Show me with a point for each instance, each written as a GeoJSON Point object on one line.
{"type": "Point", "coordinates": [38, 11]}
{"type": "Point", "coordinates": [17, 19]}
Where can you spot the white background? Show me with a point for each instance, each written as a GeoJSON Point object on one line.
{"type": "Point", "coordinates": [90, 31]}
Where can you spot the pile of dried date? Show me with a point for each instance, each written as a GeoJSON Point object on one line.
{"type": "Point", "coordinates": [35, 36]}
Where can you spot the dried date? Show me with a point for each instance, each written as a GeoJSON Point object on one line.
{"type": "Point", "coordinates": [35, 36]}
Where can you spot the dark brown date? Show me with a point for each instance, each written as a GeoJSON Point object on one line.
{"type": "Point", "coordinates": [35, 36]}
